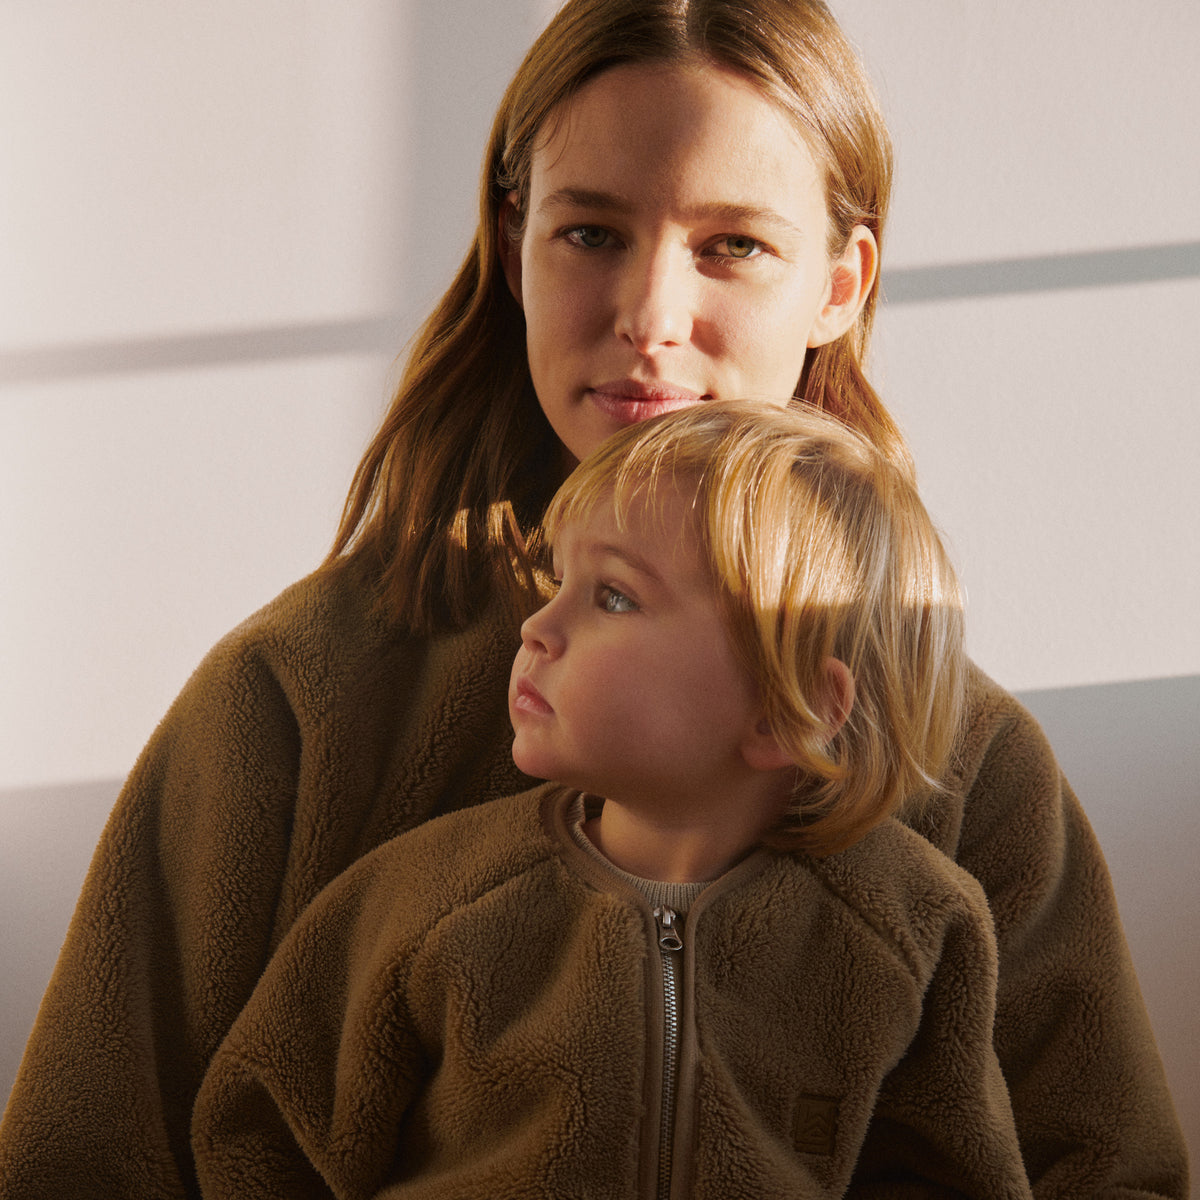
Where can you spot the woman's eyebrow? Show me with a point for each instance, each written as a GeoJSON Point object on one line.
{"type": "Point", "coordinates": [734, 214]}
{"type": "Point", "coordinates": [575, 197]}
{"type": "Point", "coordinates": [727, 211]}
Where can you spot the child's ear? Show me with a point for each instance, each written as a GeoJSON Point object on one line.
{"type": "Point", "coordinates": [509, 247]}
{"type": "Point", "coordinates": [850, 278]}
{"type": "Point", "coordinates": [839, 695]}
{"type": "Point", "coordinates": [762, 751]}
{"type": "Point", "coordinates": [760, 747]}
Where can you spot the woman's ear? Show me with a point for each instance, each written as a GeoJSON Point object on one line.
{"type": "Point", "coordinates": [850, 278]}
{"type": "Point", "coordinates": [508, 245]}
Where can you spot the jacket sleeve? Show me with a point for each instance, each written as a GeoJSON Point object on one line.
{"type": "Point", "coordinates": [305, 1098]}
{"type": "Point", "coordinates": [1089, 1094]}
{"type": "Point", "coordinates": [311, 734]}
{"type": "Point", "coordinates": [169, 936]}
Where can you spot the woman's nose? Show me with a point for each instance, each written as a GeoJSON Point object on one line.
{"type": "Point", "coordinates": [655, 302]}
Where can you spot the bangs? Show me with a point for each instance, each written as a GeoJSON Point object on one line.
{"type": "Point", "coordinates": [627, 472]}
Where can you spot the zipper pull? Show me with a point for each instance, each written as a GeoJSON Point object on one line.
{"type": "Point", "coordinates": [668, 931]}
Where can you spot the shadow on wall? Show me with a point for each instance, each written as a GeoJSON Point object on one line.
{"type": "Point", "coordinates": [49, 836]}
{"type": "Point", "coordinates": [1132, 754]}
{"type": "Point", "coordinates": [1131, 751]}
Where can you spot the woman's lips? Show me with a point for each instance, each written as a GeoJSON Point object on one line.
{"type": "Point", "coordinates": [529, 700]}
{"type": "Point", "coordinates": [627, 401]}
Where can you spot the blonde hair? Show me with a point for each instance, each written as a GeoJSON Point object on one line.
{"type": "Point", "coordinates": [464, 461]}
{"type": "Point", "coordinates": [818, 546]}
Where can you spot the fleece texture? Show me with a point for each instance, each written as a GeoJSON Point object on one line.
{"type": "Point", "coordinates": [492, 1034]}
{"type": "Point", "coordinates": [314, 733]}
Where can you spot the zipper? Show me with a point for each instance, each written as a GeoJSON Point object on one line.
{"type": "Point", "coordinates": [670, 943]}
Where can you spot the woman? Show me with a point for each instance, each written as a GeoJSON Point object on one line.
{"type": "Point", "coordinates": [680, 202]}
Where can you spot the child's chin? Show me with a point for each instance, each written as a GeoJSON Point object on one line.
{"type": "Point", "coordinates": [530, 763]}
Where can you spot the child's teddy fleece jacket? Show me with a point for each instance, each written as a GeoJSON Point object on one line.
{"type": "Point", "coordinates": [501, 1030]}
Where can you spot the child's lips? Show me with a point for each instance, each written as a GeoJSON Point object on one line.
{"type": "Point", "coordinates": [528, 699]}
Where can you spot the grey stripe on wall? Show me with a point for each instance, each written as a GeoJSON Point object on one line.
{"type": "Point", "coordinates": [1046, 273]}
{"type": "Point", "coordinates": [369, 335]}
{"type": "Point", "coordinates": [381, 334]}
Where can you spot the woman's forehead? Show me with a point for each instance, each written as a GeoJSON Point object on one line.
{"type": "Point", "coordinates": [681, 130]}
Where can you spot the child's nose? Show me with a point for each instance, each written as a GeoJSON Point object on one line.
{"type": "Point", "coordinates": [541, 632]}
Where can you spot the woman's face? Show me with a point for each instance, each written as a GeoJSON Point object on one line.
{"type": "Point", "coordinates": [675, 251]}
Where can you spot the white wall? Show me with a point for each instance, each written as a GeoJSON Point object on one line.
{"type": "Point", "coordinates": [219, 224]}
{"type": "Point", "coordinates": [1055, 432]}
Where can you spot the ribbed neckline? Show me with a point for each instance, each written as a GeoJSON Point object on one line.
{"type": "Point", "coordinates": [658, 892]}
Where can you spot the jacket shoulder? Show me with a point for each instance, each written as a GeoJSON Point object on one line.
{"type": "Point", "coordinates": [1002, 769]}
{"type": "Point", "coordinates": [908, 892]}
{"type": "Point", "coordinates": [314, 631]}
{"type": "Point", "coordinates": [463, 855]}
{"type": "Point", "coordinates": [462, 859]}
{"type": "Point", "coordinates": [1002, 742]}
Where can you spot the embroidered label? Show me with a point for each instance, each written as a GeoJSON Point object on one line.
{"type": "Point", "coordinates": [816, 1124]}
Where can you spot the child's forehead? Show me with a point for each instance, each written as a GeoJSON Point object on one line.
{"type": "Point", "coordinates": [645, 511]}
{"type": "Point", "coordinates": [658, 526]}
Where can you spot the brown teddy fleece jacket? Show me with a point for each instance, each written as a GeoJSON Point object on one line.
{"type": "Point", "coordinates": [314, 733]}
{"type": "Point", "coordinates": [500, 1031]}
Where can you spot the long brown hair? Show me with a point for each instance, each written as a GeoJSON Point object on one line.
{"type": "Point", "coordinates": [464, 463]}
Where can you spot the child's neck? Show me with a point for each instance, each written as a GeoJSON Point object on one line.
{"type": "Point", "coordinates": [685, 847]}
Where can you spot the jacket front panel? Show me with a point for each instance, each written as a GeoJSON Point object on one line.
{"type": "Point", "coordinates": [531, 1006]}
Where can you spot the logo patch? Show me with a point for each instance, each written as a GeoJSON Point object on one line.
{"type": "Point", "coordinates": [816, 1124]}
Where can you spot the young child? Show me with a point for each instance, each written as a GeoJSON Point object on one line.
{"type": "Point", "coordinates": [705, 961]}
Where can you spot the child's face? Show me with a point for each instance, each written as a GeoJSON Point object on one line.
{"type": "Point", "coordinates": [626, 684]}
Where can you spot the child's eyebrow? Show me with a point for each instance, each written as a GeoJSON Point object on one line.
{"type": "Point", "coordinates": [630, 557]}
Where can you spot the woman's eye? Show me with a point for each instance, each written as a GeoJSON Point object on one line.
{"type": "Point", "coordinates": [591, 237]}
{"type": "Point", "coordinates": [613, 601]}
{"type": "Point", "coordinates": [739, 247]}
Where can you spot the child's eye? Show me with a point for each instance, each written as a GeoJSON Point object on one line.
{"type": "Point", "coordinates": [613, 601]}
{"type": "Point", "coordinates": [590, 237]}
{"type": "Point", "coordinates": [737, 246]}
